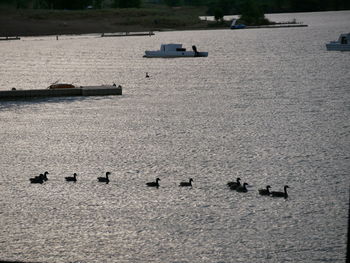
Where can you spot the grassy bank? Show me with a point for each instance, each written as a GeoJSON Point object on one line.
{"type": "Point", "coordinates": [29, 22]}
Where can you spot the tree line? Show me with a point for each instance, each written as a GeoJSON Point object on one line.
{"type": "Point", "coordinates": [72, 4]}
{"type": "Point", "coordinates": [225, 6]}
{"type": "Point", "coordinates": [277, 6]}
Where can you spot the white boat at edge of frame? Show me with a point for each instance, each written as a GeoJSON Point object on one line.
{"type": "Point", "coordinates": [343, 43]}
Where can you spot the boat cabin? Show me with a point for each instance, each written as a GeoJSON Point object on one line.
{"type": "Point", "coordinates": [344, 39]}
{"type": "Point", "coordinates": [343, 43]}
{"type": "Point", "coordinates": [172, 47]}
{"type": "Point", "coordinates": [174, 50]}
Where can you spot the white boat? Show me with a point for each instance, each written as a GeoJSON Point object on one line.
{"type": "Point", "coordinates": [343, 43]}
{"type": "Point", "coordinates": [174, 51]}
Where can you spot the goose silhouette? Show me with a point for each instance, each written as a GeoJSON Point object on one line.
{"type": "Point", "coordinates": [104, 179]}
{"type": "Point", "coordinates": [153, 184]}
{"type": "Point", "coordinates": [71, 178]}
{"type": "Point", "coordinates": [234, 185]}
{"type": "Point", "coordinates": [280, 194]}
{"type": "Point", "coordinates": [265, 191]}
{"type": "Point", "coordinates": [45, 176]}
{"type": "Point", "coordinates": [37, 179]}
{"type": "Point", "coordinates": [242, 188]}
{"type": "Point", "coordinates": [189, 183]}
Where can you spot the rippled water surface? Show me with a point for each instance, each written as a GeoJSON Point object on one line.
{"type": "Point", "coordinates": [271, 106]}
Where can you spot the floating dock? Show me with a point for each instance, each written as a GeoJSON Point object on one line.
{"type": "Point", "coordinates": [128, 34]}
{"type": "Point", "coordinates": [105, 90]}
{"type": "Point", "coordinates": [276, 26]}
{"type": "Point", "coordinates": [9, 38]}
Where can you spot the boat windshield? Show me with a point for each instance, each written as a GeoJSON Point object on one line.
{"type": "Point", "coordinates": [344, 40]}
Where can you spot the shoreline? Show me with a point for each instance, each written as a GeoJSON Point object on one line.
{"type": "Point", "coordinates": [136, 32]}
{"type": "Point", "coordinates": [32, 23]}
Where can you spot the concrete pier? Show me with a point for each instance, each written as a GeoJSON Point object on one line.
{"type": "Point", "coordinates": [10, 38]}
{"type": "Point", "coordinates": [128, 34]}
{"type": "Point", "coordinates": [276, 26]}
{"type": "Point", "coordinates": [77, 91]}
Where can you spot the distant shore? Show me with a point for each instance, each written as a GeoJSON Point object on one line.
{"type": "Point", "coordinates": [59, 22]}
{"type": "Point", "coordinates": [34, 22]}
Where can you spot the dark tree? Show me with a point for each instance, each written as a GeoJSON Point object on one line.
{"type": "Point", "coordinates": [218, 14]}
{"type": "Point", "coordinates": [173, 2]}
{"type": "Point", "coordinates": [252, 14]}
{"type": "Point", "coordinates": [127, 3]}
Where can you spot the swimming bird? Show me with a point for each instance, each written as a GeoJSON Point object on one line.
{"type": "Point", "coordinates": [45, 176]}
{"type": "Point", "coordinates": [147, 76]}
{"type": "Point", "coordinates": [37, 179]}
{"type": "Point", "coordinates": [189, 183]}
{"type": "Point", "coordinates": [104, 179]}
{"type": "Point", "coordinates": [242, 188]}
{"type": "Point", "coordinates": [154, 184]}
{"type": "Point", "coordinates": [234, 185]}
{"type": "Point", "coordinates": [280, 194]}
{"type": "Point", "coordinates": [265, 191]}
{"type": "Point", "coordinates": [71, 178]}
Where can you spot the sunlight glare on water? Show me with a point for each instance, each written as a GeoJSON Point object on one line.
{"type": "Point", "coordinates": [270, 106]}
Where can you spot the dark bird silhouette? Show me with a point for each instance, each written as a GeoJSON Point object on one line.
{"type": "Point", "coordinates": [71, 178]}
{"type": "Point", "coordinates": [153, 184]}
{"type": "Point", "coordinates": [265, 191]}
{"type": "Point", "coordinates": [234, 185]}
{"type": "Point", "coordinates": [45, 176]}
{"type": "Point", "coordinates": [242, 188]}
{"type": "Point", "coordinates": [189, 183]}
{"type": "Point", "coordinates": [104, 179]}
{"type": "Point", "coordinates": [280, 194]}
{"type": "Point", "coordinates": [37, 179]}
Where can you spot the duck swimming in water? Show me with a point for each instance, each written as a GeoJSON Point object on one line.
{"type": "Point", "coordinates": [45, 176]}
{"type": "Point", "coordinates": [189, 183]}
{"type": "Point", "coordinates": [242, 188]}
{"type": "Point", "coordinates": [154, 184]}
{"type": "Point", "coordinates": [71, 178]}
{"type": "Point", "coordinates": [234, 185]}
{"type": "Point", "coordinates": [265, 191]}
{"type": "Point", "coordinates": [280, 194]}
{"type": "Point", "coordinates": [37, 179]}
{"type": "Point", "coordinates": [104, 179]}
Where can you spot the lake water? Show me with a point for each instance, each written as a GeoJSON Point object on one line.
{"type": "Point", "coordinates": [270, 106]}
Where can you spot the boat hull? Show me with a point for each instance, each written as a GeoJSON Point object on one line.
{"type": "Point", "coordinates": [337, 47]}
